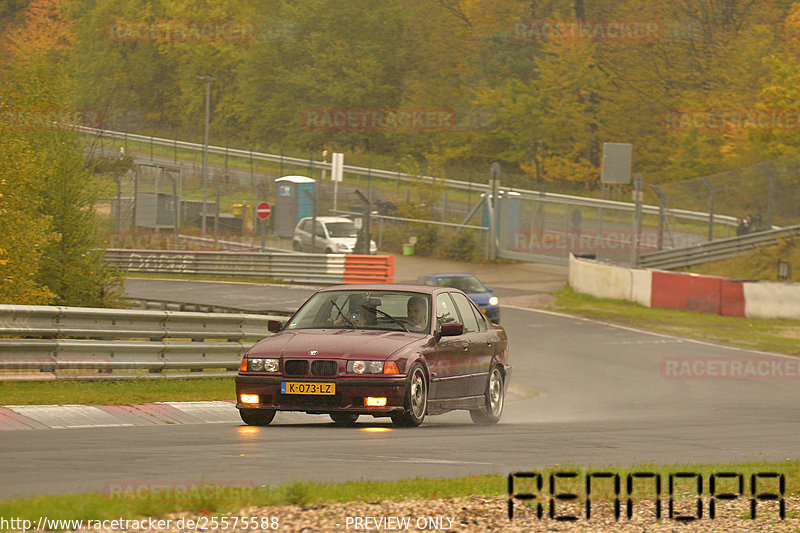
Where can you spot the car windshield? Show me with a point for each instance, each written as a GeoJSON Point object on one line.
{"type": "Point", "coordinates": [341, 229]}
{"type": "Point", "coordinates": [464, 283]}
{"type": "Point", "coordinates": [358, 309]}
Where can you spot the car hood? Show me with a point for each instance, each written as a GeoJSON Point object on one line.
{"type": "Point", "coordinates": [480, 298]}
{"type": "Point", "coordinates": [337, 343]}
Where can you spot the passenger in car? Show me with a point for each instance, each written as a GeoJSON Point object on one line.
{"type": "Point", "coordinates": [417, 313]}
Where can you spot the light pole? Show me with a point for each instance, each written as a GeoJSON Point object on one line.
{"type": "Point", "coordinates": [208, 80]}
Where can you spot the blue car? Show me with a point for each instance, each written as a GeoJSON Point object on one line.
{"type": "Point", "coordinates": [477, 291]}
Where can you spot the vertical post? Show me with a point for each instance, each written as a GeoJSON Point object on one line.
{"type": "Point", "coordinates": [637, 218]}
{"type": "Point", "coordinates": [494, 174]}
{"type": "Point", "coordinates": [710, 208]}
{"type": "Point", "coordinates": [151, 147]}
{"type": "Point", "coordinates": [175, 151]}
{"type": "Point", "coordinates": [119, 203]}
{"type": "Point", "coordinates": [770, 194]}
{"type": "Point", "coordinates": [661, 208]}
{"type": "Point", "coordinates": [207, 80]}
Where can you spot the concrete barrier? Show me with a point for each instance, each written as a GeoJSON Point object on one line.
{"type": "Point", "coordinates": [772, 300]}
{"type": "Point", "coordinates": [686, 291]}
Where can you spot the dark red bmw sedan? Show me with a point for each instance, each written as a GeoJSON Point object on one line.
{"type": "Point", "coordinates": [399, 351]}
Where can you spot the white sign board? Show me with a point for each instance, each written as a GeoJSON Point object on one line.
{"type": "Point", "coordinates": [616, 163]}
{"type": "Point", "coordinates": [337, 164]}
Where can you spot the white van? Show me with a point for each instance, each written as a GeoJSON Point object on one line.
{"type": "Point", "coordinates": [334, 235]}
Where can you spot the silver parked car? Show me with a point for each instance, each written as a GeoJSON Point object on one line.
{"type": "Point", "coordinates": [334, 235]}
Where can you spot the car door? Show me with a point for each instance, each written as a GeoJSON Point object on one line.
{"type": "Point", "coordinates": [476, 359]}
{"type": "Point", "coordinates": [320, 237]}
{"type": "Point", "coordinates": [445, 358]}
{"type": "Point", "coordinates": [304, 235]}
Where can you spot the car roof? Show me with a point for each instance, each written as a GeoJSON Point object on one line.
{"type": "Point", "coordinates": [454, 274]}
{"type": "Point", "coordinates": [405, 287]}
{"type": "Point", "coordinates": [331, 219]}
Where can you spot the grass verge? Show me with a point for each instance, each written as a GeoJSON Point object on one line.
{"type": "Point", "coordinates": [162, 498]}
{"type": "Point", "coordinates": [770, 335]}
{"type": "Point", "coordinates": [112, 392]}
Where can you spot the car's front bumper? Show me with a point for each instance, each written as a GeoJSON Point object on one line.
{"type": "Point", "coordinates": [492, 312]}
{"type": "Point", "coordinates": [349, 396]}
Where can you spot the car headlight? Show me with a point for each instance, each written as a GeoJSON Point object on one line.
{"type": "Point", "coordinates": [343, 246]}
{"type": "Point", "coordinates": [365, 367]}
{"type": "Point", "coordinates": [262, 365]}
{"type": "Point", "coordinates": [494, 300]}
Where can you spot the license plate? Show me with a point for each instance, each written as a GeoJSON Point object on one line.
{"type": "Point", "coordinates": [296, 387]}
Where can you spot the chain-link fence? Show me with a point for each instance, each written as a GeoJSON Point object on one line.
{"type": "Point", "coordinates": [759, 197]}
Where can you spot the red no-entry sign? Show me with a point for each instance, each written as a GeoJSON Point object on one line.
{"type": "Point", "coordinates": [263, 210]}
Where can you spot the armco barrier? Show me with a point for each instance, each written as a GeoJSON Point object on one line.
{"type": "Point", "coordinates": [55, 339]}
{"type": "Point", "coordinates": [685, 291]}
{"type": "Point", "coordinates": [315, 269]}
{"type": "Point", "coordinates": [368, 269]}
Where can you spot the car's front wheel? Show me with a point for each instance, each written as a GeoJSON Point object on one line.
{"type": "Point", "coordinates": [416, 402]}
{"type": "Point", "coordinates": [494, 398]}
{"type": "Point", "coordinates": [344, 419]}
{"type": "Point", "coordinates": [257, 417]}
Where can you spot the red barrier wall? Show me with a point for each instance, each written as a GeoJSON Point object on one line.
{"type": "Point", "coordinates": [686, 292]}
{"type": "Point", "coordinates": [732, 298]}
{"type": "Point", "coordinates": [368, 268]}
{"type": "Point", "coordinates": [692, 292]}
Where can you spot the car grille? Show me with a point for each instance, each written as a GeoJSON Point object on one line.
{"type": "Point", "coordinates": [310, 400]}
{"type": "Point", "coordinates": [295, 367]}
{"type": "Point", "coordinates": [323, 368]}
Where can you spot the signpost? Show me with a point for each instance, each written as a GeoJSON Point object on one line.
{"type": "Point", "coordinates": [263, 211]}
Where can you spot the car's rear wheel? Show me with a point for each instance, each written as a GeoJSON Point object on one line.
{"type": "Point", "coordinates": [257, 417]}
{"type": "Point", "coordinates": [416, 402]}
{"type": "Point", "coordinates": [344, 419]}
{"type": "Point", "coordinates": [296, 246]}
{"type": "Point", "coordinates": [494, 398]}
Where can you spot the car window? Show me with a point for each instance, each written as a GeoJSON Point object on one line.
{"type": "Point", "coordinates": [305, 225]}
{"type": "Point", "coordinates": [427, 281]}
{"type": "Point", "coordinates": [465, 309]}
{"type": "Point", "coordinates": [342, 229]}
{"type": "Point", "coordinates": [462, 283]}
{"type": "Point", "coordinates": [359, 309]}
{"type": "Point", "coordinates": [320, 230]}
{"type": "Point", "coordinates": [445, 310]}
{"type": "Point", "coordinates": [483, 323]}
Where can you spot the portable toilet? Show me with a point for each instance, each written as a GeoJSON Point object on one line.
{"type": "Point", "coordinates": [292, 203]}
{"type": "Point", "coordinates": [508, 207]}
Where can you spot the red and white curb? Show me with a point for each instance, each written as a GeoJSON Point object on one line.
{"type": "Point", "coordinates": [16, 417]}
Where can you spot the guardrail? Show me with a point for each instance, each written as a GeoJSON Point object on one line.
{"type": "Point", "coordinates": [62, 341]}
{"type": "Point", "coordinates": [399, 176]}
{"type": "Point", "coordinates": [317, 269]}
{"type": "Point", "coordinates": [715, 250]}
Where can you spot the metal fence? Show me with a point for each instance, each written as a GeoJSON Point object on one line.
{"type": "Point", "coordinates": [69, 341]}
{"type": "Point", "coordinates": [542, 227]}
{"type": "Point", "coordinates": [716, 250]}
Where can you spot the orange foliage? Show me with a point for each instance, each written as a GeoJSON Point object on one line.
{"type": "Point", "coordinates": [42, 30]}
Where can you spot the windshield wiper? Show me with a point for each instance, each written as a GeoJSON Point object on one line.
{"type": "Point", "coordinates": [387, 315]}
{"type": "Point", "coordinates": [341, 314]}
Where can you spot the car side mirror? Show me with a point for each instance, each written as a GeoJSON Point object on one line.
{"type": "Point", "coordinates": [274, 326]}
{"type": "Point", "coordinates": [451, 329]}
